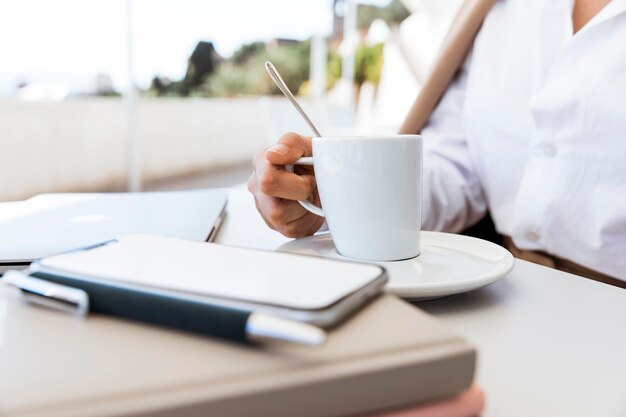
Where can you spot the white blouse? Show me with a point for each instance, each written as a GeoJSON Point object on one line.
{"type": "Point", "coordinates": [534, 129]}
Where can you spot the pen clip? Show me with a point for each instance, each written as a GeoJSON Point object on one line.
{"type": "Point", "coordinates": [49, 294]}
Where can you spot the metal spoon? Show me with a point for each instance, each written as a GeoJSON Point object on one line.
{"type": "Point", "coordinates": [275, 76]}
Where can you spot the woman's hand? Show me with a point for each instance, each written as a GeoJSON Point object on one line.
{"type": "Point", "coordinates": [276, 191]}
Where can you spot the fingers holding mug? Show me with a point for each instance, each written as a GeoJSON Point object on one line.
{"type": "Point", "coordinates": [277, 181]}
{"type": "Point", "coordinates": [292, 149]}
{"type": "Point", "coordinates": [272, 176]}
{"type": "Point", "coordinates": [276, 190]}
{"type": "Point", "coordinates": [286, 216]}
{"type": "Point", "coordinates": [306, 203]}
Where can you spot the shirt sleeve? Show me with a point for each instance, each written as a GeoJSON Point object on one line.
{"type": "Point", "coordinates": [453, 198]}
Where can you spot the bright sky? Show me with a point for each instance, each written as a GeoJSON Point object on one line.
{"type": "Point", "coordinates": [70, 41]}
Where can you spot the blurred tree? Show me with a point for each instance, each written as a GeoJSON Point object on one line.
{"type": "Point", "coordinates": [369, 63]}
{"type": "Point", "coordinates": [249, 78]}
{"type": "Point", "coordinates": [247, 51]}
{"type": "Point", "coordinates": [293, 63]}
{"type": "Point", "coordinates": [394, 13]}
{"type": "Point", "coordinates": [229, 80]}
{"type": "Point", "coordinates": [333, 69]}
{"type": "Point", "coordinates": [203, 62]}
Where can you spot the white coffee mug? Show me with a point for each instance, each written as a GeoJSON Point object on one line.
{"type": "Point", "coordinates": [371, 191]}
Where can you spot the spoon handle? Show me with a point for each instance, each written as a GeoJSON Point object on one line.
{"type": "Point", "coordinates": [275, 76]}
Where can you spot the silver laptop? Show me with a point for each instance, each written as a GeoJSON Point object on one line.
{"type": "Point", "coordinates": [52, 223]}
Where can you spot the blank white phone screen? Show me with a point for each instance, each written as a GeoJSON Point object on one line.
{"type": "Point", "coordinates": [292, 281]}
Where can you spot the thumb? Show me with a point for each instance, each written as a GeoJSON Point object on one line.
{"type": "Point", "coordinates": [288, 150]}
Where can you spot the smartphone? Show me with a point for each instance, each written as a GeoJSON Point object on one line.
{"type": "Point", "coordinates": [310, 289]}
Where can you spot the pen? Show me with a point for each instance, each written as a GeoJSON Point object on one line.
{"type": "Point", "coordinates": [80, 296]}
{"type": "Point", "coordinates": [49, 294]}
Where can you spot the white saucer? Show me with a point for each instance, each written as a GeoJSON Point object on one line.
{"type": "Point", "coordinates": [448, 264]}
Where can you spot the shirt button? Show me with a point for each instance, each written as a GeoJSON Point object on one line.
{"type": "Point", "coordinates": [531, 236]}
{"type": "Point", "coordinates": [549, 149]}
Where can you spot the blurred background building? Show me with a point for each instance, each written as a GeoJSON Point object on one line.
{"type": "Point", "coordinates": [135, 94]}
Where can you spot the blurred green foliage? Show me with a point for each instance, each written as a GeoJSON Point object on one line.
{"type": "Point", "coordinates": [369, 63]}
{"type": "Point", "coordinates": [393, 14]}
{"type": "Point", "coordinates": [247, 51]}
{"type": "Point", "coordinates": [246, 76]}
{"type": "Point", "coordinates": [229, 80]}
{"type": "Point", "coordinates": [334, 69]}
{"type": "Point", "coordinates": [367, 68]}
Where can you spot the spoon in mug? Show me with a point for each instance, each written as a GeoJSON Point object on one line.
{"type": "Point", "coordinates": [275, 76]}
{"type": "Point", "coordinates": [307, 160]}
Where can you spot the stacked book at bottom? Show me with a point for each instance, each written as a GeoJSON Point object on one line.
{"type": "Point", "coordinates": [387, 358]}
{"type": "Point", "coordinates": [470, 403]}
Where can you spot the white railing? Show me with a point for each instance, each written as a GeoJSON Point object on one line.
{"type": "Point", "coordinates": [79, 144]}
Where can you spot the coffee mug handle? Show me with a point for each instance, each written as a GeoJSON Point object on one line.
{"type": "Point", "coordinates": [307, 160]}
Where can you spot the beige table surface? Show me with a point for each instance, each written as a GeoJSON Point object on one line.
{"type": "Point", "coordinates": [550, 343]}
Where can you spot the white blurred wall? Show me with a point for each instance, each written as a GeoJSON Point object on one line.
{"type": "Point", "coordinates": [79, 144]}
